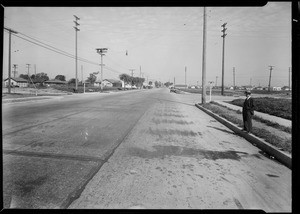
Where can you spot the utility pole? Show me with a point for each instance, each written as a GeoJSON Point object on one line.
{"type": "Point", "coordinates": [131, 74]}
{"type": "Point", "coordinates": [289, 78]}
{"type": "Point", "coordinates": [210, 83]}
{"type": "Point", "coordinates": [29, 78]}
{"type": "Point", "coordinates": [204, 59]}
{"type": "Point", "coordinates": [271, 68]}
{"type": "Point", "coordinates": [174, 82]}
{"type": "Point", "coordinates": [223, 55]}
{"type": "Point", "coordinates": [102, 52]}
{"type": "Point", "coordinates": [216, 80]}
{"type": "Point", "coordinates": [140, 71]}
{"type": "Point", "coordinates": [81, 74]}
{"type": "Point", "coordinates": [9, 57]}
{"type": "Point", "coordinates": [185, 77]}
{"type": "Point", "coordinates": [233, 78]}
{"type": "Point", "coordinates": [15, 69]}
{"type": "Point", "coordinates": [76, 29]}
{"type": "Point", "coordinates": [28, 65]}
{"type": "Point", "coordinates": [34, 69]}
{"type": "Point", "coordinates": [141, 76]}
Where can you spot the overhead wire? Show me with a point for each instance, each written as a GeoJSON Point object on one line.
{"type": "Point", "coordinates": [59, 51]}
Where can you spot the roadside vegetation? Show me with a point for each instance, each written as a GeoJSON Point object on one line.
{"type": "Point", "coordinates": [274, 106]}
{"type": "Point", "coordinates": [273, 135]}
{"type": "Point", "coordinates": [80, 88]}
{"type": "Point", "coordinates": [259, 119]}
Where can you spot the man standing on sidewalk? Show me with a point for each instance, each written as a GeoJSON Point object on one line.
{"type": "Point", "coordinates": [248, 112]}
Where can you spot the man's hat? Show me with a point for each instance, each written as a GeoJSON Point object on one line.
{"type": "Point", "coordinates": [248, 92]}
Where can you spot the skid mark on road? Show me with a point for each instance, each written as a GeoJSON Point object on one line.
{"type": "Point", "coordinates": [27, 187]}
{"type": "Point", "coordinates": [164, 151]}
{"type": "Point", "coordinates": [167, 121]}
{"type": "Point", "coordinates": [274, 176]}
{"type": "Point", "coordinates": [169, 115]}
{"type": "Point", "coordinates": [161, 132]}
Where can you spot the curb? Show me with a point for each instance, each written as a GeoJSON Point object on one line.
{"type": "Point", "coordinates": [282, 157]}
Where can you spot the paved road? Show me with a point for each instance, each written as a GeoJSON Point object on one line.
{"type": "Point", "coordinates": [52, 147]}
{"type": "Point", "coordinates": [170, 155]}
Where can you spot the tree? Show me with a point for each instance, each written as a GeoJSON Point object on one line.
{"type": "Point", "coordinates": [92, 78]}
{"type": "Point", "coordinates": [24, 76]}
{"type": "Point", "coordinates": [125, 77]}
{"type": "Point", "coordinates": [41, 77]}
{"type": "Point", "coordinates": [60, 77]}
{"type": "Point", "coordinates": [150, 82]}
{"type": "Point", "coordinates": [72, 81]}
{"type": "Point", "coordinates": [167, 84]}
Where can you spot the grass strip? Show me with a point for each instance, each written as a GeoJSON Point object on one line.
{"type": "Point", "coordinates": [283, 144]}
{"type": "Point", "coordinates": [259, 119]}
{"type": "Point", "coordinates": [279, 107]}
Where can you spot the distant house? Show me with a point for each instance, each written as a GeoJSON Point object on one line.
{"type": "Point", "coordinates": [55, 82]}
{"type": "Point", "coordinates": [97, 83]}
{"type": "Point", "coordinates": [258, 88]}
{"type": "Point", "coordinates": [180, 86]}
{"type": "Point", "coordinates": [285, 88]}
{"type": "Point", "coordinates": [247, 87]}
{"type": "Point", "coordinates": [276, 88]}
{"type": "Point", "coordinates": [112, 83]}
{"type": "Point", "coordinates": [16, 81]}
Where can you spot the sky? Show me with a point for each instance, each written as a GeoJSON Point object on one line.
{"type": "Point", "coordinates": [160, 42]}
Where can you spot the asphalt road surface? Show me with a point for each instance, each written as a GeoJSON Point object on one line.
{"type": "Point", "coordinates": [134, 149]}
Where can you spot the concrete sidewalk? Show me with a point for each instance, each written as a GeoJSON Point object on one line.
{"type": "Point", "coordinates": [279, 120]}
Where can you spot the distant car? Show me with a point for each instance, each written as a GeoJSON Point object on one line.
{"type": "Point", "coordinates": [172, 89]}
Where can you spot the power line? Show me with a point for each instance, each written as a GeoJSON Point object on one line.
{"type": "Point", "coordinates": [64, 53]}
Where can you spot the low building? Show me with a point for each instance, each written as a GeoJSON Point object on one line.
{"type": "Point", "coordinates": [97, 83]}
{"type": "Point", "coordinates": [112, 83]}
{"type": "Point", "coordinates": [258, 88]}
{"type": "Point", "coordinates": [247, 87]}
{"type": "Point", "coordinates": [276, 88]}
{"type": "Point", "coordinates": [180, 86]}
{"type": "Point", "coordinates": [16, 81]}
{"type": "Point", "coordinates": [55, 82]}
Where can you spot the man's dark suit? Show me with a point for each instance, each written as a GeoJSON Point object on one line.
{"type": "Point", "coordinates": [248, 112]}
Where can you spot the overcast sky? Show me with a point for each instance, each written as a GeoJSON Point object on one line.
{"type": "Point", "coordinates": [160, 40]}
